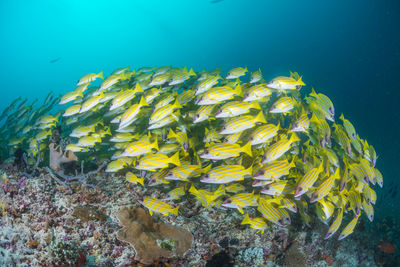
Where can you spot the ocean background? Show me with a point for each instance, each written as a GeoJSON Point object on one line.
{"type": "Point", "coordinates": [348, 50]}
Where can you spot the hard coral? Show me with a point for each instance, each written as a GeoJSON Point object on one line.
{"type": "Point", "coordinates": [143, 234]}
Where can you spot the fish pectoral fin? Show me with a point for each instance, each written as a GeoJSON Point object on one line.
{"type": "Point", "coordinates": [240, 210]}
{"type": "Point", "coordinates": [151, 212]}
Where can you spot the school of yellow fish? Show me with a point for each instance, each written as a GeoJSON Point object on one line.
{"type": "Point", "coordinates": [234, 142]}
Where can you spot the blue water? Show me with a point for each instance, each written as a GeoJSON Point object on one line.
{"type": "Point", "coordinates": [348, 50]}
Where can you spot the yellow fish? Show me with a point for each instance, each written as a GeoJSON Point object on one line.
{"type": "Point", "coordinates": [155, 205]}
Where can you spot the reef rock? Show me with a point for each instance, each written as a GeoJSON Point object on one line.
{"type": "Point", "coordinates": [150, 239]}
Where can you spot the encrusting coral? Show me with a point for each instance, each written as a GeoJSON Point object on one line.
{"type": "Point", "coordinates": [150, 239]}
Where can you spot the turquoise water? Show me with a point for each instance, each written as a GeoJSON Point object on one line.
{"type": "Point", "coordinates": [349, 51]}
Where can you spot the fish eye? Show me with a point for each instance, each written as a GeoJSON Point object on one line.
{"type": "Point", "coordinates": [219, 110]}
{"type": "Point", "coordinates": [246, 95]}
{"type": "Point", "coordinates": [300, 189]}
{"type": "Point", "coordinates": [206, 152]}
{"type": "Point", "coordinates": [196, 116]}
{"type": "Point", "coordinates": [224, 128]}
{"type": "Point", "coordinates": [206, 176]}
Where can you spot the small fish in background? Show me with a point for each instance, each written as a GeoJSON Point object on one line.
{"type": "Point", "coordinates": [215, 1]}
{"type": "Point", "coordinates": [54, 60]}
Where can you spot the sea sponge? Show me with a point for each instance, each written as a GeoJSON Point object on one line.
{"type": "Point", "coordinates": [58, 157]}
{"type": "Point", "coordinates": [144, 235]}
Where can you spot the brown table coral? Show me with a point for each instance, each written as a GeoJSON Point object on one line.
{"type": "Point", "coordinates": [150, 239]}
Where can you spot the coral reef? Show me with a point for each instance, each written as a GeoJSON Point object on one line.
{"type": "Point", "coordinates": [254, 256]}
{"type": "Point", "coordinates": [149, 238]}
{"type": "Point", "coordinates": [38, 213]}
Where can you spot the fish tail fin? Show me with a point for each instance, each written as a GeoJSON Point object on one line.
{"type": "Point", "coordinates": [141, 181]}
{"type": "Point", "coordinates": [321, 167]}
{"type": "Point", "coordinates": [246, 219]}
{"type": "Point", "coordinates": [313, 93]}
{"type": "Point", "coordinates": [92, 128]}
{"type": "Point", "coordinates": [279, 125]}
{"type": "Point", "coordinates": [300, 81]}
{"type": "Point", "coordinates": [247, 149]}
{"type": "Point", "coordinates": [292, 164]}
{"type": "Point", "coordinates": [255, 105]}
{"type": "Point", "coordinates": [294, 138]}
{"type": "Point", "coordinates": [177, 104]}
{"type": "Point", "coordinates": [191, 72]}
{"type": "Point", "coordinates": [155, 144]}
{"type": "Point", "coordinates": [171, 134]}
{"type": "Point", "coordinates": [337, 173]}
{"type": "Point", "coordinates": [206, 168]}
{"type": "Point", "coordinates": [142, 102]}
{"type": "Point", "coordinates": [100, 75]}
{"type": "Point", "coordinates": [174, 159]}
{"type": "Point", "coordinates": [193, 190]}
{"type": "Point", "coordinates": [209, 199]}
{"type": "Point", "coordinates": [314, 119]}
{"type": "Point", "coordinates": [108, 131]}
{"type": "Point", "coordinates": [238, 90]}
{"type": "Point", "coordinates": [249, 170]}
{"type": "Point", "coordinates": [260, 117]}
{"type": "Point", "coordinates": [175, 210]}
{"type": "Point", "coordinates": [138, 88]}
